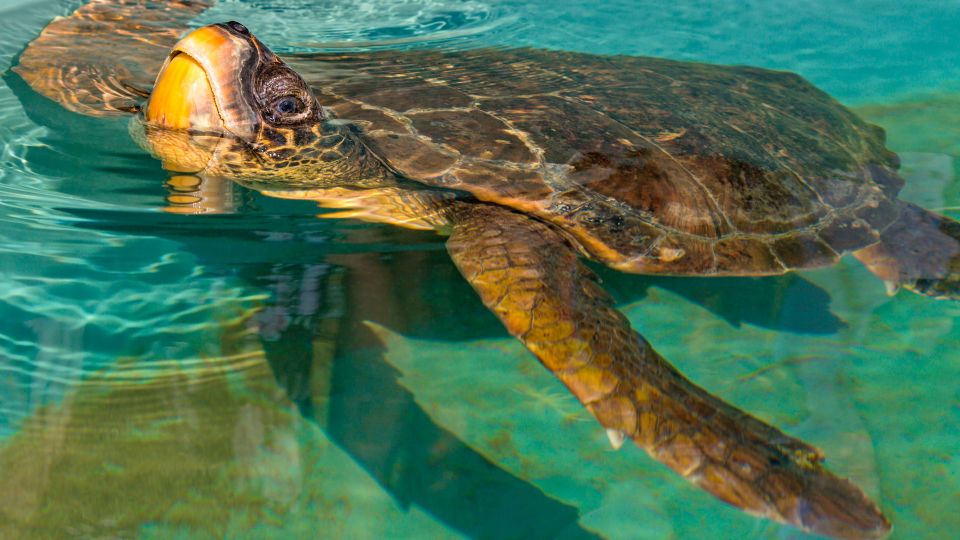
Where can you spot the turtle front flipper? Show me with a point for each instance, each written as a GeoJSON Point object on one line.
{"type": "Point", "coordinates": [102, 59]}
{"type": "Point", "coordinates": [919, 251]}
{"type": "Point", "coordinates": [533, 281]}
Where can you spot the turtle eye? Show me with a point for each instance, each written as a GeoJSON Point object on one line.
{"type": "Point", "coordinates": [238, 28]}
{"type": "Point", "coordinates": [288, 105]}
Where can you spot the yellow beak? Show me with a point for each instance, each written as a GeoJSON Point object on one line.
{"type": "Point", "coordinates": [199, 87]}
{"type": "Point", "coordinates": [182, 97]}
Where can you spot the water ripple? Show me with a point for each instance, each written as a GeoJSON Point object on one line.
{"type": "Point", "coordinates": [307, 25]}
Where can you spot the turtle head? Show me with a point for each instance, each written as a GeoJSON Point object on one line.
{"type": "Point", "coordinates": [225, 104]}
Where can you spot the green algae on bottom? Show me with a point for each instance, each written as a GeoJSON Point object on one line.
{"type": "Point", "coordinates": [210, 451]}
{"type": "Point", "coordinates": [928, 123]}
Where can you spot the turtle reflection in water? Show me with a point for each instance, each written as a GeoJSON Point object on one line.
{"type": "Point", "coordinates": [531, 161]}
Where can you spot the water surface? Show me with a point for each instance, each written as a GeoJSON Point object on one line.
{"type": "Point", "coordinates": [269, 374]}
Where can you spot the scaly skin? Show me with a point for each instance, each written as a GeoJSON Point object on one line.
{"type": "Point", "coordinates": [920, 252]}
{"type": "Point", "coordinates": [526, 271]}
{"type": "Point", "coordinates": [535, 283]}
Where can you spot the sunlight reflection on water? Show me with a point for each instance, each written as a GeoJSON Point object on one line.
{"type": "Point", "coordinates": [130, 346]}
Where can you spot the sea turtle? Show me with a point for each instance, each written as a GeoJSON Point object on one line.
{"type": "Point", "coordinates": [531, 161]}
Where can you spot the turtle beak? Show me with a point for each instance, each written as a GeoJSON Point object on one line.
{"type": "Point", "coordinates": [201, 85]}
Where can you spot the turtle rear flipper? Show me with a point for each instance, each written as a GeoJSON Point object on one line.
{"type": "Point", "coordinates": [919, 251]}
{"type": "Point", "coordinates": [102, 59]}
{"type": "Point", "coordinates": [533, 281]}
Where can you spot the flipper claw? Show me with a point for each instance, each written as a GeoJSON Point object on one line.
{"type": "Point", "coordinates": [533, 281]}
{"type": "Point", "coordinates": [616, 438]}
{"type": "Point", "coordinates": [892, 287]}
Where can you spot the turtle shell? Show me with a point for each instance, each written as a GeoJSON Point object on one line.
{"type": "Point", "coordinates": [650, 165]}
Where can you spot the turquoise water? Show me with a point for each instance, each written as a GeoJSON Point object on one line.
{"type": "Point", "coordinates": [154, 367]}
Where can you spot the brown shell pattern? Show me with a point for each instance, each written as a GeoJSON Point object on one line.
{"type": "Point", "coordinates": [652, 165]}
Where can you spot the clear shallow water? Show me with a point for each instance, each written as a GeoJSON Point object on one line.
{"type": "Point", "coordinates": [152, 366]}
